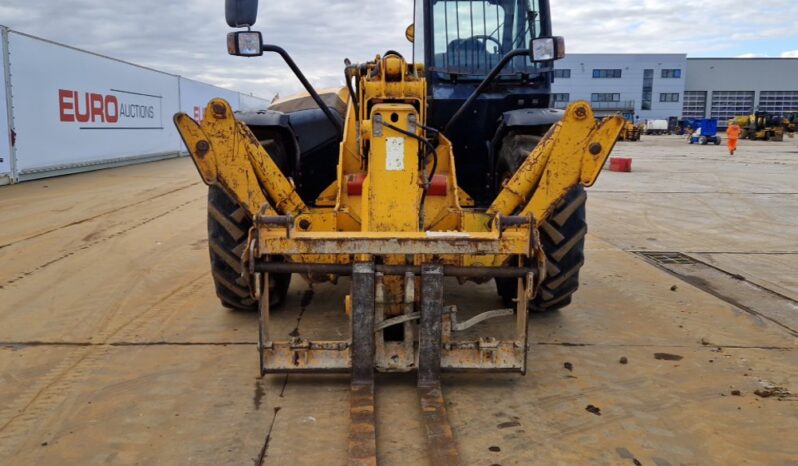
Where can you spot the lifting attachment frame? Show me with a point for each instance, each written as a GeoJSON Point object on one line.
{"type": "Point", "coordinates": [397, 223]}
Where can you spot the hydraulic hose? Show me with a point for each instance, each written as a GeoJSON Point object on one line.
{"type": "Point", "coordinates": [348, 75]}
{"type": "Point", "coordinates": [427, 144]}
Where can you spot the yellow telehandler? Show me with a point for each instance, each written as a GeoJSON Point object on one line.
{"type": "Point", "coordinates": [448, 165]}
{"type": "Point", "coordinates": [762, 126]}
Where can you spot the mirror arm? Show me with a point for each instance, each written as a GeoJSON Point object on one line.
{"type": "Point", "coordinates": [481, 88]}
{"type": "Point", "coordinates": [308, 87]}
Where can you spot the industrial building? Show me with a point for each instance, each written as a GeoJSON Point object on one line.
{"type": "Point", "coordinates": [726, 87]}
{"type": "Point", "coordinates": [642, 86]}
{"type": "Point", "coordinates": [659, 86]}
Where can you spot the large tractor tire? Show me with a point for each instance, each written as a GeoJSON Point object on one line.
{"type": "Point", "coordinates": [228, 227]}
{"type": "Point", "coordinates": [562, 235]}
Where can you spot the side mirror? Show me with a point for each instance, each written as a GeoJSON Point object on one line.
{"type": "Point", "coordinates": [547, 48]}
{"type": "Point", "coordinates": [245, 43]}
{"type": "Point", "coordinates": [241, 13]}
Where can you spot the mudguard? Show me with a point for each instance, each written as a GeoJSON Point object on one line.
{"type": "Point", "coordinates": [526, 117]}
{"type": "Point", "coordinates": [264, 118]}
{"type": "Point", "coordinates": [314, 144]}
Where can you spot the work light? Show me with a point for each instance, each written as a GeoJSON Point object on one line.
{"type": "Point", "coordinates": [547, 48]}
{"type": "Point", "coordinates": [245, 43]}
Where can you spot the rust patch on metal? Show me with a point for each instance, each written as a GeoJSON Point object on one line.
{"type": "Point", "coordinates": [362, 430]}
{"type": "Point", "coordinates": [440, 438]}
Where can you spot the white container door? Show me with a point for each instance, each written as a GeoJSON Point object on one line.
{"type": "Point", "coordinates": [5, 127]}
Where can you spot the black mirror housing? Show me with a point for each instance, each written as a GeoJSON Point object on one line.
{"type": "Point", "coordinates": [241, 13]}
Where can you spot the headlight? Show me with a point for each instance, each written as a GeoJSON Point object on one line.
{"type": "Point", "coordinates": [547, 49]}
{"type": "Point", "coordinates": [245, 43]}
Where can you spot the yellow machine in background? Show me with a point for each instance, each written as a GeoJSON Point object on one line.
{"type": "Point", "coordinates": [789, 123]}
{"type": "Point", "coordinates": [762, 126]}
{"type": "Point", "coordinates": [630, 132]}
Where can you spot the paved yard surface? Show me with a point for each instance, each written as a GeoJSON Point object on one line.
{"type": "Point", "coordinates": [114, 349]}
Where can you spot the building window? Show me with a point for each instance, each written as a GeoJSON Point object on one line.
{"type": "Point", "coordinates": [695, 104]}
{"type": "Point", "coordinates": [671, 74]}
{"type": "Point", "coordinates": [605, 97]}
{"type": "Point", "coordinates": [778, 102]}
{"type": "Point", "coordinates": [565, 74]}
{"type": "Point", "coordinates": [561, 97]}
{"type": "Point", "coordinates": [604, 74]}
{"type": "Point", "coordinates": [729, 104]}
{"type": "Point", "coordinates": [669, 97]}
{"type": "Point", "coordinates": [648, 89]}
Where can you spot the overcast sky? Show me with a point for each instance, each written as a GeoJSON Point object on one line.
{"type": "Point", "coordinates": [187, 37]}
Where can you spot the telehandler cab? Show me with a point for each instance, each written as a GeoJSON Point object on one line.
{"type": "Point", "coordinates": [451, 165]}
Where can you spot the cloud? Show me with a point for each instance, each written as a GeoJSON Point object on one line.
{"type": "Point", "coordinates": [187, 37]}
{"type": "Point", "coordinates": [634, 26]}
{"type": "Point", "coordinates": [751, 55]}
{"type": "Point", "coordinates": [790, 54]}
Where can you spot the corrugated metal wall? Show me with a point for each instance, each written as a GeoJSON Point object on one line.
{"type": "Point", "coordinates": [6, 157]}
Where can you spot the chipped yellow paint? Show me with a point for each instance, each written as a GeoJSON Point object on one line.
{"type": "Point", "coordinates": [384, 219]}
{"type": "Point", "coordinates": [213, 149]}
{"type": "Point", "coordinates": [393, 187]}
{"type": "Point", "coordinates": [225, 151]}
{"type": "Point", "coordinates": [572, 152]}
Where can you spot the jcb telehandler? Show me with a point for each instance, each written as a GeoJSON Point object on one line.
{"type": "Point", "coordinates": [761, 126]}
{"type": "Point", "coordinates": [450, 165]}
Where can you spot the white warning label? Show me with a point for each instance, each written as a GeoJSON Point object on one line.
{"type": "Point", "coordinates": [395, 154]}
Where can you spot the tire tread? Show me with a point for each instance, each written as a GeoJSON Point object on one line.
{"type": "Point", "coordinates": [562, 236]}
{"type": "Point", "coordinates": [228, 227]}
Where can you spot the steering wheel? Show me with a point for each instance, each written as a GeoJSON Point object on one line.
{"type": "Point", "coordinates": [485, 40]}
{"type": "Point", "coordinates": [478, 42]}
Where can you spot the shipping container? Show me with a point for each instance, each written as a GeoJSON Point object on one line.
{"type": "Point", "coordinates": [6, 155]}
{"type": "Point", "coordinates": [65, 110]}
{"type": "Point", "coordinates": [76, 111]}
{"type": "Point", "coordinates": [194, 96]}
{"type": "Point", "coordinates": [251, 103]}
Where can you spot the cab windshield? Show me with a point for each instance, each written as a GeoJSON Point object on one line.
{"type": "Point", "coordinates": [470, 37]}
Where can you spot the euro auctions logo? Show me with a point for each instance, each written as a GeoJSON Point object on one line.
{"type": "Point", "coordinates": [115, 109]}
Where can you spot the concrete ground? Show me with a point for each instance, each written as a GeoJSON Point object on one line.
{"type": "Point", "coordinates": [114, 349]}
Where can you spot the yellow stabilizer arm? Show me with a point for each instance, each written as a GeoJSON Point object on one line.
{"type": "Point", "coordinates": [226, 152]}
{"type": "Point", "coordinates": [572, 152]}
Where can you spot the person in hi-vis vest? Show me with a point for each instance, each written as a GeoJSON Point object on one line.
{"type": "Point", "coordinates": [733, 134]}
